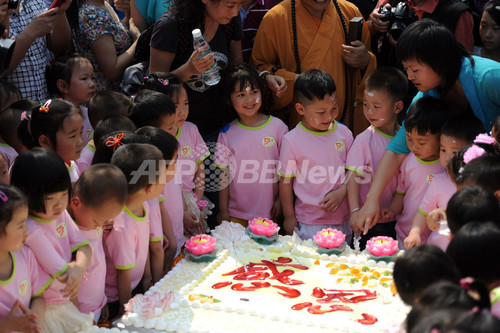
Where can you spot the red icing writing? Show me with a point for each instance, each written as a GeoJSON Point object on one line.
{"type": "Point", "coordinates": [368, 319]}
{"type": "Point", "coordinates": [221, 285]}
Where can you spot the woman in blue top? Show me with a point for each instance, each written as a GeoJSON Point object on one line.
{"type": "Point", "coordinates": [441, 67]}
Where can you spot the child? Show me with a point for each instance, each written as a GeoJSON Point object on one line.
{"type": "Point", "coordinates": [22, 281]}
{"type": "Point", "coordinates": [312, 160]}
{"type": "Point", "coordinates": [126, 246]}
{"type": "Point", "coordinates": [72, 77]}
{"type": "Point", "coordinates": [9, 124]}
{"type": "Point", "coordinates": [483, 171]}
{"type": "Point", "coordinates": [161, 226]}
{"type": "Point", "coordinates": [457, 320]}
{"type": "Point", "coordinates": [423, 124]}
{"type": "Point", "coordinates": [385, 90]}
{"type": "Point", "coordinates": [193, 150]}
{"type": "Point", "coordinates": [155, 109]}
{"type": "Point", "coordinates": [53, 236]}
{"type": "Point", "coordinates": [56, 125]}
{"type": "Point", "coordinates": [488, 31]}
{"type": "Point", "coordinates": [99, 196]}
{"type": "Point", "coordinates": [109, 144]}
{"type": "Point", "coordinates": [251, 145]}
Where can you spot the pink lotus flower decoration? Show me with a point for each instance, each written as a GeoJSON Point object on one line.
{"type": "Point", "coordinates": [329, 238]}
{"type": "Point", "coordinates": [484, 138]}
{"type": "Point", "coordinates": [472, 153]}
{"type": "Point", "coordinates": [200, 244]}
{"type": "Point", "coordinates": [382, 246]}
{"type": "Point", "coordinates": [263, 227]}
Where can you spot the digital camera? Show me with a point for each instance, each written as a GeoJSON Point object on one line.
{"type": "Point", "coordinates": [400, 17]}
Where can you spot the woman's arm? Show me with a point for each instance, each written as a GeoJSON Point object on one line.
{"type": "Point", "coordinates": [136, 15]}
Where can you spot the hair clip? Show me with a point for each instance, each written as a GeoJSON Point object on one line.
{"type": "Point", "coordinates": [484, 138]}
{"type": "Point", "coordinates": [472, 153]}
{"type": "Point", "coordinates": [3, 196]}
{"type": "Point", "coordinates": [466, 282]}
{"type": "Point", "coordinates": [115, 141]}
{"type": "Point", "coordinates": [23, 115]}
{"type": "Point", "coordinates": [146, 78]}
{"type": "Point", "coordinates": [163, 81]}
{"type": "Point", "coordinates": [45, 107]}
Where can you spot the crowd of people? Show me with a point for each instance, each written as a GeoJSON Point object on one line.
{"type": "Point", "coordinates": [114, 146]}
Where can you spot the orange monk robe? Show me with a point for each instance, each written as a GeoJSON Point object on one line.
{"type": "Point", "coordinates": [319, 47]}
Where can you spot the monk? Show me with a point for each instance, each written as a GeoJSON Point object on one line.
{"type": "Point", "coordinates": [321, 43]}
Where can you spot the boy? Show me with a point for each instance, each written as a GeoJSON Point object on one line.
{"type": "Point", "coordinates": [423, 125]}
{"type": "Point", "coordinates": [385, 89]}
{"type": "Point", "coordinates": [312, 160]}
{"type": "Point", "coordinates": [99, 196]}
{"type": "Point", "coordinates": [127, 245]}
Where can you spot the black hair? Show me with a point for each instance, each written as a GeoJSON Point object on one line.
{"type": "Point", "coordinates": [8, 93]}
{"type": "Point", "coordinates": [313, 84]}
{"type": "Point", "coordinates": [11, 199]}
{"type": "Point", "coordinates": [38, 173]}
{"type": "Point", "coordinates": [457, 321]}
{"type": "Point", "coordinates": [475, 249]}
{"type": "Point", "coordinates": [483, 171]}
{"type": "Point", "coordinates": [432, 44]}
{"type": "Point", "coordinates": [110, 124]}
{"type": "Point", "coordinates": [107, 145]}
{"type": "Point", "coordinates": [190, 12]}
{"type": "Point", "coordinates": [471, 204]}
{"type": "Point", "coordinates": [463, 127]}
{"type": "Point", "coordinates": [45, 121]}
{"type": "Point", "coordinates": [108, 103]}
{"type": "Point", "coordinates": [62, 69]}
{"type": "Point", "coordinates": [162, 140]}
{"type": "Point", "coordinates": [388, 79]}
{"type": "Point", "coordinates": [491, 7]}
{"type": "Point", "coordinates": [427, 115]}
{"type": "Point", "coordinates": [11, 118]}
{"type": "Point", "coordinates": [166, 83]}
{"type": "Point", "coordinates": [150, 107]}
{"type": "Point", "coordinates": [131, 158]}
{"type": "Point", "coordinates": [418, 268]}
{"type": "Point", "coordinates": [496, 127]}
{"type": "Point", "coordinates": [99, 183]}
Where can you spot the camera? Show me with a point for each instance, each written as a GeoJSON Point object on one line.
{"type": "Point", "coordinates": [400, 17]}
{"type": "Point", "coordinates": [12, 4]}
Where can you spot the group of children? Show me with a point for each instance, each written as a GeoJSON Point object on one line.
{"type": "Point", "coordinates": [99, 201]}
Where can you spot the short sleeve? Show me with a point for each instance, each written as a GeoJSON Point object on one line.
{"type": "Point", "coordinates": [118, 246]}
{"type": "Point", "coordinates": [222, 151]}
{"type": "Point", "coordinates": [40, 280]}
{"type": "Point", "coordinates": [94, 23]}
{"type": "Point", "coordinates": [288, 163]}
{"type": "Point", "coordinates": [165, 36]}
{"type": "Point", "coordinates": [201, 151]}
{"type": "Point", "coordinates": [429, 201]}
{"type": "Point", "coordinates": [76, 238]}
{"type": "Point", "coordinates": [155, 223]}
{"type": "Point", "coordinates": [283, 129]}
{"type": "Point", "coordinates": [401, 186]}
{"type": "Point", "coordinates": [47, 256]}
{"type": "Point", "coordinates": [359, 156]}
{"type": "Point", "coordinates": [349, 141]}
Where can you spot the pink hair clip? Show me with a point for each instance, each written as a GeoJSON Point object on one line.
{"type": "Point", "coordinates": [45, 107]}
{"type": "Point", "coordinates": [115, 141]}
{"type": "Point", "coordinates": [472, 153]}
{"type": "Point", "coordinates": [163, 81]}
{"type": "Point", "coordinates": [3, 196]}
{"type": "Point", "coordinates": [23, 115]}
{"type": "Point", "coordinates": [466, 282]}
{"type": "Point", "coordinates": [484, 138]}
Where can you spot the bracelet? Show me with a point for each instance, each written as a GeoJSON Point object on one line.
{"type": "Point", "coordinates": [263, 74]}
{"type": "Point", "coordinates": [355, 210]}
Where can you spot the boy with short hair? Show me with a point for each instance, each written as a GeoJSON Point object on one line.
{"type": "Point", "coordinates": [312, 160]}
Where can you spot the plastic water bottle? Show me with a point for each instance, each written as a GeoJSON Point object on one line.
{"type": "Point", "coordinates": [211, 76]}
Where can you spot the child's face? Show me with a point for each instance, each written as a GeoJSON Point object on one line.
{"type": "Point", "coordinates": [69, 138]}
{"type": "Point", "coordinates": [380, 109]}
{"type": "Point", "coordinates": [55, 205]}
{"type": "Point", "coordinates": [489, 31]}
{"type": "Point", "coordinates": [16, 231]}
{"type": "Point", "coordinates": [319, 114]}
{"type": "Point", "coordinates": [449, 146]}
{"type": "Point", "coordinates": [4, 172]}
{"type": "Point", "coordinates": [422, 75]}
{"type": "Point", "coordinates": [425, 147]}
{"type": "Point", "coordinates": [247, 101]}
{"type": "Point", "coordinates": [181, 107]}
{"type": "Point", "coordinates": [82, 86]}
{"type": "Point", "coordinates": [156, 189]}
{"type": "Point", "coordinates": [168, 124]}
{"type": "Point", "coordinates": [171, 168]}
{"type": "Point", "coordinates": [94, 217]}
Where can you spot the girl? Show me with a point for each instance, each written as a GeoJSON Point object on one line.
{"type": "Point", "coordinates": [53, 236]}
{"type": "Point", "coordinates": [72, 77]}
{"type": "Point", "coordinates": [252, 138]}
{"type": "Point", "coordinates": [489, 30]}
{"type": "Point", "coordinates": [22, 281]}
{"type": "Point", "coordinates": [192, 152]}
{"type": "Point", "coordinates": [56, 125]}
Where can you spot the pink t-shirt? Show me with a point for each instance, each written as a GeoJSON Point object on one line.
{"type": "Point", "coordinates": [173, 204]}
{"type": "Point", "coordinates": [253, 154]}
{"type": "Point", "coordinates": [92, 297]}
{"type": "Point", "coordinates": [53, 243]}
{"type": "Point", "coordinates": [26, 281]}
{"type": "Point", "coordinates": [414, 179]}
{"type": "Point", "coordinates": [88, 131]}
{"type": "Point", "coordinates": [317, 161]}
{"type": "Point", "coordinates": [126, 247]}
{"type": "Point", "coordinates": [192, 151]}
{"type": "Point", "coordinates": [155, 223]}
{"type": "Point", "coordinates": [74, 172]}
{"type": "Point", "coordinates": [9, 154]}
{"type": "Point", "coordinates": [364, 157]}
{"type": "Point", "coordinates": [86, 157]}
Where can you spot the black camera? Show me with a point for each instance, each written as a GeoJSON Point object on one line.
{"type": "Point", "coordinates": [12, 4]}
{"type": "Point", "coordinates": [400, 17]}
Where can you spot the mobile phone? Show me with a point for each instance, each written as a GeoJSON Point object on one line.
{"type": "Point", "coordinates": [355, 30]}
{"type": "Point", "coordinates": [56, 3]}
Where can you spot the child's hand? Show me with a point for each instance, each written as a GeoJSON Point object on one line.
{"type": "Point", "coordinates": [333, 199]}
{"type": "Point", "coordinates": [387, 215]}
{"type": "Point", "coordinates": [25, 322]}
{"type": "Point", "coordinates": [108, 226]}
{"type": "Point", "coordinates": [223, 216]}
{"type": "Point", "coordinates": [289, 225]}
{"type": "Point", "coordinates": [72, 278]}
{"type": "Point", "coordinates": [191, 225]}
{"type": "Point", "coordinates": [438, 214]}
{"type": "Point", "coordinates": [355, 223]}
{"type": "Point", "coordinates": [276, 209]}
{"type": "Point", "coordinates": [413, 239]}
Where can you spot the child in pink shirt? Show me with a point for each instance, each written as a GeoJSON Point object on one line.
{"type": "Point", "coordinates": [248, 153]}
{"type": "Point", "coordinates": [423, 125]}
{"type": "Point", "coordinates": [53, 236]}
{"type": "Point", "coordinates": [22, 281]}
{"type": "Point", "coordinates": [312, 160]}
{"type": "Point", "coordinates": [385, 89]}
{"type": "Point", "coordinates": [127, 245]}
{"type": "Point", "coordinates": [99, 196]}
